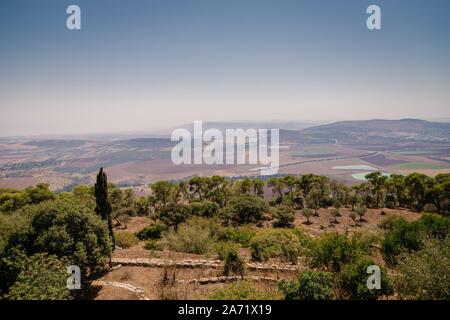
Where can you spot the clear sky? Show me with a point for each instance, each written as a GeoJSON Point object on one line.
{"type": "Point", "coordinates": [147, 65]}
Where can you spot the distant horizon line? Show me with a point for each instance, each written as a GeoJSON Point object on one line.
{"type": "Point", "coordinates": [167, 131]}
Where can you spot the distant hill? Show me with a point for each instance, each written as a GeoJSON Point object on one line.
{"type": "Point", "coordinates": [222, 126]}
{"type": "Point", "coordinates": [376, 131]}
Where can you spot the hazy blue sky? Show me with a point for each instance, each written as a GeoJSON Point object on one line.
{"type": "Point", "coordinates": [146, 65]}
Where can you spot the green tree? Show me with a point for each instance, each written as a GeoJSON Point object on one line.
{"type": "Point", "coordinates": [277, 189]}
{"type": "Point", "coordinates": [248, 209]}
{"type": "Point", "coordinates": [270, 243]}
{"type": "Point", "coordinates": [314, 198]}
{"type": "Point", "coordinates": [234, 263]}
{"type": "Point", "coordinates": [310, 285]}
{"type": "Point", "coordinates": [352, 281]}
{"type": "Point", "coordinates": [103, 205]}
{"type": "Point", "coordinates": [44, 277]}
{"type": "Point", "coordinates": [162, 193]}
{"type": "Point", "coordinates": [308, 213]}
{"type": "Point", "coordinates": [335, 213]}
{"type": "Point", "coordinates": [333, 250]}
{"type": "Point", "coordinates": [401, 235]}
{"type": "Point", "coordinates": [352, 216]}
{"type": "Point", "coordinates": [141, 206]}
{"type": "Point", "coordinates": [284, 216]}
{"type": "Point", "coordinates": [415, 183]}
{"type": "Point", "coordinates": [424, 274]}
{"type": "Point", "coordinates": [65, 228]}
{"type": "Point", "coordinates": [40, 193]}
{"type": "Point", "coordinates": [378, 184]}
{"type": "Point", "coordinates": [361, 211]}
{"type": "Point", "coordinates": [128, 197]}
{"type": "Point", "coordinates": [258, 187]}
{"type": "Point", "coordinates": [173, 214]}
{"type": "Point", "coordinates": [204, 208]}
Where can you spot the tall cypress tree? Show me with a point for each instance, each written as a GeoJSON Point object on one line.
{"type": "Point", "coordinates": [103, 207]}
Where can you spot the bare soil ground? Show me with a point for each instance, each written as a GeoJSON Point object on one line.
{"type": "Point", "coordinates": [324, 222]}
{"type": "Point", "coordinates": [150, 280]}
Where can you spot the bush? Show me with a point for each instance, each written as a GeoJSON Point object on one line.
{"type": "Point", "coordinates": [173, 214]}
{"type": "Point", "coordinates": [290, 251]}
{"type": "Point", "coordinates": [424, 274]}
{"type": "Point", "coordinates": [333, 250]}
{"type": "Point", "coordinates": [126, 240]}
{"type": "Point", "coordinates": [430, 208]}
{"type": "Point", "coordinates": [234, 263]}
{"type": "Point", "coordinates": [361, 211]}
{"type": "Point", "coordinates": [63, 228]}
{"type": "Point", "coordinates": [308, 213]}
{"type": "Point", "coordinates": [244, 290]}
{"type": "Point", "coordinates": [271, 243]}
{"type": "Point", "coordinates": [205, 208]}
{"type": "Point", "coordinates": [310, 285]}
{"type": "Point", "coordinates": [44, 277]}
{"type": "Point", "coordinates": [402, 235]}
{"type": "Point", "coordinates": [248, 209]}
{"type": "Point", "coordinates": [242, 235]}
{"type": "Point", "coordinates": [335, 213]}
{"type": "Point", "coordinates": [352, 281]}
{"type": "Point", "coordinates": [224, 247]}
{"type": "Point", "coordinates": [12, 199]}
{"type": "Point", "coordinates": [154, 231]}
{"type": "Point", "coordinates": [284, 216]}
{"type": "Point", "coordinates": [153, 245]}
{"type": "Point", "coordinates": [194, 236]}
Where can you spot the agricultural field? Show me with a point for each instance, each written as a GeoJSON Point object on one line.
{"type": "Point", "coordinates": [136, 161]}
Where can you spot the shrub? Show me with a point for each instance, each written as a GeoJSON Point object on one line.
{"type": "Point", "coordinates": [205, 208]}
{"type": "Point", "coordinates": [173, 214]}
{"type": "Point", "coordinates": [424, 274]}
{"type": "Point", "coordinates": [310, 285]}
{"type": "Point", "coordinates": [352, 281]}
{"type": "Point", "coordinates": [242, 235]}
{"type": "Point", "coordinates": [153, 245]}
{"type": "Point", "coordinates": [430, 208]}
{"type": "Point", "coordinates": [335, 213]}
{"type": "Point", "coordinates": [64, 228]}
{"type": "Point", "coordinates": [244, 290]}
{"type": "Point", "coordinates": [128, 211]}
{"type": "Point", "coordinates": [153, 231]}
{"type": "Point", "coordinates": [224, 247]}
{"type": "Point", "coordinates": [332, 250]}
{"type": "Point", "coordinates": [271, 243]}
{"type": "Point", "coordinates": [44, 277]}
{"type": "Point", "coordinates": [290, 251]}
{"type": "Point", "coordinates": [126, 239]}
{"type": "Point", "coordinates": [194, 236]}
{"type": "Point", "coordinates": [248, 209]}
{"type": "Point", "coordinates": [352, 216]}
{"type": "Point", "coordinates": [234, 263]}
{"type": "Point", "coordinates": [284, 216]}
{"type": "Point", "coordinates": [402, 235]}
{"type": "Point", "coordinates": [123, 219]}
{"type": "Point", "coordinates": [308, 213]}
{"type": "Point", "coordinates": [361, 211]}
